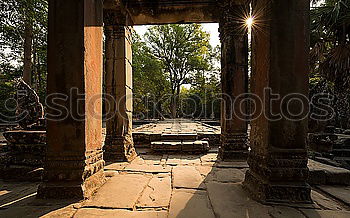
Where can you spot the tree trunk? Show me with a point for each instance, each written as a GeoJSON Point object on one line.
{"type": "Point", "coordinates": [28, 38]}
{"type": "Point", "coordinates": [173, 104]}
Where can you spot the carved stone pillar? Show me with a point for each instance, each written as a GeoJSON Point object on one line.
{"type": "Point", "coordinates": [278, 159]}
{"type": "Point", "coordinates": [119, 145]}
{"type": "Point", "coordinates": [74, 159]}
{"type": "Point", "coordinates": [234, 82]}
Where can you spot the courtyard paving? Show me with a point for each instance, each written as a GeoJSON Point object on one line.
{"type": "Point", "coordinates": [171, 185]}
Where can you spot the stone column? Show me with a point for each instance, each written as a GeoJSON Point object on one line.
{"type": "Point", "coordinates": [74, 158]}
{"type": "Point", "coordinates": [119, 144]}
{"type": "Point", "coordinates": [278, 159]}
{"type": "Point", "coordinates": [234, 82]}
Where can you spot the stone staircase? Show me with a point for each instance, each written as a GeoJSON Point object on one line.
{"type": "Point", "coordinates": [180, 142]}
{"type": "Point", "coordinates": [341, 150]}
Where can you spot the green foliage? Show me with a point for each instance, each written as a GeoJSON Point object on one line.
{"type": "Point", "coordinates": [14, 15]}
{"type": "Point", "coordinates": [330, 54]}
{"type": "Point", "coordinates": [149, 81]}
{"type": "Point", "coordinates": [183, 51]}
{"type": "Point", "coordinates": [330, 41]}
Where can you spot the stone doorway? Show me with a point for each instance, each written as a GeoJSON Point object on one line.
{"type": "Point", "coordinates": [278, 159]}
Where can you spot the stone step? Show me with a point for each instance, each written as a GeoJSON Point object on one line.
{"type": "Point", "coordinates": [342, 142]}
{"type": "Point", "coordinates": [184, 146]}
{"type": "Point", "coordinates": [178, 136]}
{"type": "Point", "coordinates": [342, 159]}
{"type": "Point", "coordinates": [341, 152]}
{"type": "Point", "coordinates": [323, 174]}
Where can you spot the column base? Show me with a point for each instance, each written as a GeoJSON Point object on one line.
{"type": "Point", "coordinates": [234, 147]}
{"type": "Point", "coordinates": [272, 193]}
{"type": "Point", "coordinates": [278, 176]}
{"type": "Point", "coordinates": [71, 190]}
{"type": "Point", "coordinates": [119, 149]}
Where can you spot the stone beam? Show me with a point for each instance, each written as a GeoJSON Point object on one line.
{"type": "Point", "coordinates": [234, 81]}
{"type": "Point", "coordinates": [278, 159]}
{"type": "Point", "coordinates": [74, 158]}
{"type": "Point", "coordinates": [145, 12]}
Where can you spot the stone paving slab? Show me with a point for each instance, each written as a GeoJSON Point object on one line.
{"type": "Point", "coordinates": [339, 192]}
{"type": "Point", "coordinates": [174, 159]}
{"type": "Point", "coordinates": [152, 159]}
{"type": "Point", "coordinates": [112, 213]}
{"type": "Point", "coordinates": [233, 164]}
{"type": "Point", "coordinates": [204, 170]}
{"type": "Point", "coordinates": [12, 191]}
{"type": "Point", "coordinates": [325, 202]}
{"type": "Point", "coordinates": [190, 160]}
{"type": "Point", "coordinates": [187, 177]}
{"type": "Point", "coordinates": [116, 166]}
{"type": "Point", "coordinates": [325, 213]}
{"type": "Point", "coordinates": [284, 212]}
{"type": "Point", "coordinates": [157, 193]}
{"type": "Point", "coordinates": [190, 203]}
{"type": "Point", "coordinates": [225, 175]}
{"type": "Point", "coordinates": [145, 168]}
{"type": "Point", "coordinates": [120, 191]}
{"type": "Point", "coordinates": [54, 211]}
{"type": "Point", "coordinates": [230, 199]}
{"type": "Point", "coordinates": [211, 157]}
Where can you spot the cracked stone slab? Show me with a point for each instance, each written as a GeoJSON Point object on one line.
{"type": "Point", "coordinates": [96, 212]}
{"type": "Point", "coordinates": [120, 191]}
{"type": "Point", "coordinates": [187, 177]}
{"type": "Point", "coordinates": [228, 199]}
{"type": "Point", "coordinates": [145, 168]}
{"type": "Point", "coordinates": [190, 203]}
{"type": "Point", "coordinates": [157, 193]}
{"type": "Point", "coordinates": [340, 192]}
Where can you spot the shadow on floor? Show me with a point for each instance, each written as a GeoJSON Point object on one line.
{"type": "Point", "coordinates": [18, 199]}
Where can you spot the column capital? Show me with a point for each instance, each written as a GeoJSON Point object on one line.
{"type": "Point", "coordinates": [116, 17]}
{"type": "Point", "coordinates": [232, 20]}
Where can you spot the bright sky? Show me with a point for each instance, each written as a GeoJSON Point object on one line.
{"type": "Point", "coordinates": [212, 28]}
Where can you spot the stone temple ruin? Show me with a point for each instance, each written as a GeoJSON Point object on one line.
{"type": "Point", "coordinates": [278, 158]}
{"type": "Point", "coordinates": [277, 170]}
{"type": "Point", "coordinates": [27, 143]}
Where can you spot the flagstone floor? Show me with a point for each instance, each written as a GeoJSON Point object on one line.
{"type": "Point", "coordinates": [170, 186]}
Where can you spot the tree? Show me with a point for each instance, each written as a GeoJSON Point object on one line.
{"type": "Point", "coordinates": [330, 54]}
{"type": "Point", "coordinates": [183, 50]}
{"type": "Point", "coordinates": [23, 39]}
{"type": "Point", "coordinates": [23, 34]}
{"type": "Point", "coordinates": [149, 82]}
